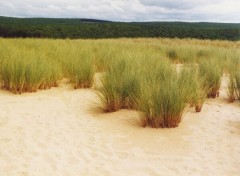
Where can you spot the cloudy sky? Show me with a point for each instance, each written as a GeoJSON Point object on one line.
{"type": "Point", "coordinates": [126, 10]}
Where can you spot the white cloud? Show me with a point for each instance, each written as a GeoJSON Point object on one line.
{"type": "Point", "coordinates": [126, 10]}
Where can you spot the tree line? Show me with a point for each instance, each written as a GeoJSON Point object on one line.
{"type": "Point", "coordinates": [95, 29]}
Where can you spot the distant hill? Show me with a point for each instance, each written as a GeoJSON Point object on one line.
{"type": "Point", "coordinates": [94, 28]}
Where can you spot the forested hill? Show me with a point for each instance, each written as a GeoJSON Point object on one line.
{"type": "Point", "coordinates": [93, 28]}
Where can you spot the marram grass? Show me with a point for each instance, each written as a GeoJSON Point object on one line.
{"type": "Point", "coordinates": [120, 87]}
{"type": "Point", "coordinates": [211, 71]}
{"type": "Point", "coordinates": [233, 69]}
{"type": "Point", "coordinates": [20, 75]}
{"type": "Point", "coordinates": [137, 73]}
{"type": "Point", "coordinates": [79, 68]}
{"type": "Point", "coordinates": [237, 77]}
{"type": "Point", "coordinates": [194, 84]}
{"type": "Point", "coordinates": [163, 98]}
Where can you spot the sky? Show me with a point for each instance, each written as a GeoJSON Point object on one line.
{"type": "Point", "coordinates": [126, 10]}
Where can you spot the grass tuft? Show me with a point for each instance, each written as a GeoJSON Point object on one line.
{"type": "Point", "coordinates": [79, 68]}
{"type": "Point", "coordinates": [164, 98]}
{"type": "Point", "coordinates": [211, 72]}
{"type": "Point", "coordinates": [120, 87]}
{"type": "Point", "coordinates": [22, 73]}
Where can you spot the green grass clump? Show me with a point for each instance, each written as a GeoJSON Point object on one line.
{"type": "Point", "coordinates": [120, 87]}
{"type": "Point", "coordinates": [164, 97]}
{"type": "Point", "coordinates": [22, 73]}
{"type": "Point", "coordinates": [233, 68]}
{"type": "Point", "coordinates": [237, 77]}
{"type": "Point", "coordinates": [194, 84]}
{"type": "Point", "coordinates": [13, 75]}
{"type": "Point", "coordinates": [202, 53]}
{"type": "Point", "coordinates": [79, 68]}
{"type": "Point", "coordinates": [26, 71]}
{"type": "Point", "coordinates": [53, 74]}
{"type": "Point", "coordinates": [211, 72]}
{"type": "Point", "coordinates": [232, 89]}
{"type": "Point", "coordinates": [172, 55]}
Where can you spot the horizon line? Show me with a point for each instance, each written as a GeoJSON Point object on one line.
{"type": "Point", "coordinates": [113, 21]}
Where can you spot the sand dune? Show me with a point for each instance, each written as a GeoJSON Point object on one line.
{"type": "Point", "coordinates": [56, 132]}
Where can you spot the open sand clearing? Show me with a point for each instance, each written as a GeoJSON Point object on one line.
{"type": "Point", "coordinates": [57, 133]}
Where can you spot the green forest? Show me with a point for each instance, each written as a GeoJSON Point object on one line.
{"type": "Point", "coordinates": [91, 28]}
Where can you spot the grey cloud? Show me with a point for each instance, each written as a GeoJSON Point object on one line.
{"type": "Point", "coordinates": [169, 4]}
{"type": "Point", "coordinates": [178, 4]}
{"type": "Point", "coordinates": [126, 10]}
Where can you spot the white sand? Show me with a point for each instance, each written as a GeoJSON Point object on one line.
{"type": "Point", "coordinates": [57, 133]}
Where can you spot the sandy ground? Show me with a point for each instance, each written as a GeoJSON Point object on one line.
{"type": "Point", "coordinates": [56, 132]}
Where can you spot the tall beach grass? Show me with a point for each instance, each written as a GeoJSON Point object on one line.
{"type": "Point", "coordinates": [164, 97]}
{"type": "Point", "coordinates": [23, 72]}
{"type": "Point", "coordinates": [120, 87]}
{"type": "Point", "coordinates": [233, 70]}
{"type": "Point", "coordinates": [211, 71]}
{"type": "Point", "coordinates": [79, 68]}
{"type": "Point", "coordinates": [137, 74]}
